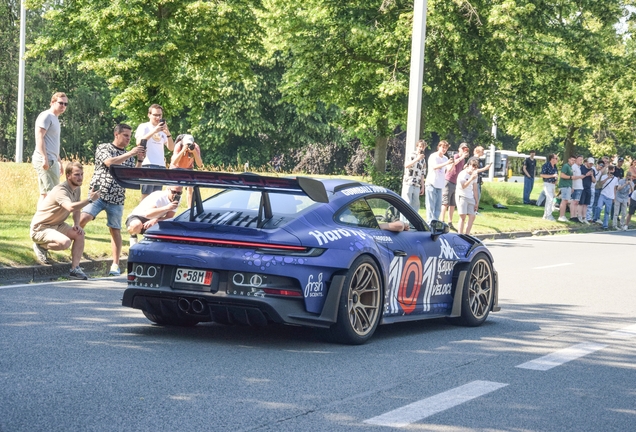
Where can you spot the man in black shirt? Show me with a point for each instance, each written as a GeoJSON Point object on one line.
{"type": "Point", "coordinates": [619, 172]}
{"type": "Point", "coordinates": [528, 169]}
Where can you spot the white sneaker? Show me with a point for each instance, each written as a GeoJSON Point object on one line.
{"type": "Point", "coordinates": [114, 270]}
{"type": "Point", "coordinates": [562, 219]}
{"type": "Point", "coordinates": [133, 240]}
{"type": "Point", "coordinates": [549, 218]}
{"type": "Point", "coordinates": [41, 254]}
{"type": "Point", "coordinates": [624, 227]}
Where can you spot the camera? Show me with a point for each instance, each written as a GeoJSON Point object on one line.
{"type": "Point", "coordinates": [191, 146]}
{"type": "Point", "coordinates": [143, 143]}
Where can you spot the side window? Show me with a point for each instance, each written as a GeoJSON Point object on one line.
{"type": "Point", "coordinates": [358, 213]}
{"type": "Point", "coordinates": [386, 212]}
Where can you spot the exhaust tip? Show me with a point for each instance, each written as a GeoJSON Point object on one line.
{"type": "Point", "coordinates": [184, 304]}
{"type": "Point", "coordinates": [197, 306]}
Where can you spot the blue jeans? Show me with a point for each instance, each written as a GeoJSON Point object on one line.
{"type": "Point", "coordinates": [433, 203]}
{"type": "Point", "coordinates": [606, 202]}
{"type": "Point", "coordinates": [528, 184]}
{"type": "Point", "coordinates": [597, 205]}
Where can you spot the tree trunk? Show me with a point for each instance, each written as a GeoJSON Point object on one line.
{"type": "Point", "coordinates": [380, 153]}
{"type": "Point", "coordinates": [568, 145]}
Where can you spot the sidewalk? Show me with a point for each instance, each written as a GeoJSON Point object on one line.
{"type": "Point", "coordinates": [100, 268]}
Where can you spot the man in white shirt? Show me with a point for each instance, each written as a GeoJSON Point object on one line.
{"type": "Point", "coordinates": [435, 180]}
{"type": "Point", "coordinates": [577, 189]}
{"type": "Point", "coordinates": [608, 193]}
{"type": "Point", "coordinates": [156, 135]}
{"type": "Point", "coordinates": [157, 206]}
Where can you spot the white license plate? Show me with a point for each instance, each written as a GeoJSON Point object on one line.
{"type": "Point", "coordinates": [196, 277]}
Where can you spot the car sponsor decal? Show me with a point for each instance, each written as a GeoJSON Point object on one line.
{"type": "Point", "coordinates": [314, 288]}
{"type": "Point", "coordinates": [263, 261]}
{"type": "Point", "coordinates": [412, 284]}
{"type": "Point", "coordinates": [325, 237]}
{"type": "Point", "coordinates": [364, 189]}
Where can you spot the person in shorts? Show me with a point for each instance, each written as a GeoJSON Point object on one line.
{"type": "Point", "coordinates": [112, 194]}
{"type": "Point", "coordinates": [157, 206]}
{"type": "Point", "coordinates": [49, 230]}
{"type": "Point", "coordinates": [632, 209]}
{"type": "Point", "coordinates": [565, 187]}
{"type": "Point", "coordinates": [467, 195]}
{"type": "Point", "coordinates": [448, 194]}
{"type": "Point", "coordinates": [588, 173]}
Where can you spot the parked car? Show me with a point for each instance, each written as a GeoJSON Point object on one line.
{"type": "Point", "coordinates": [302, 251]}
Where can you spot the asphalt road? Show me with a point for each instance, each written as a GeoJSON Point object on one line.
{"type": "Point", "coordinates": [560, 356]}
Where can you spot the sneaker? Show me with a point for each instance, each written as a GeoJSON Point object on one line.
{"type": "Point", "coordinates": [133, 240]}
{"type": "Point", "coordinates": [624, 227]}
{"type": "Point", "coordinates": [451, 226]}
{"type": "Point", "coordinates": [41, 253]}
{"type": "Point", "coordinates": [114, 270]}
{"type": "Point", "coordinates": [585, 222]}
{"type": "Point", "coordinates": [562, 219]}
{"type": "Point", "coordinates": [549, 218]}
{"type": "Point", "coordinates": [78, 273]}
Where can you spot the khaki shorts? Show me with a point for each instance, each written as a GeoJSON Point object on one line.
{"type": "Point", "coordinates": [50, 234]}
{"type": "Point", "coordinates": [465, 206]}
{"type": "Point", "coordinates": [47, 179]}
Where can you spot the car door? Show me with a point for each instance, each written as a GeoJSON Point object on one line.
{"type": "Point", "coordinates": [420, 268]}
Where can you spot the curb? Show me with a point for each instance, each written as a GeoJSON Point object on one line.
{"type": "Point", "coordinates": [100, 268]}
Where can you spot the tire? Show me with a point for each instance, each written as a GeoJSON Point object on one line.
{"type": "Point", "coordinates": [360, 305]}
{"type": "Point", "coordinates": [170, 320]}
{"type": "Point", "coordinates": [477, 293]}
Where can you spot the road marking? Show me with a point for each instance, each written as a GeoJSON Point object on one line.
{"type": "Point", "coordinates": [419, 410]}
{"type": "Point", "coordinates": [552, 266]}
{"type": "Point", "coordinates": [624, 333]}
{"type": "Point", "coordinates": [560, 357]}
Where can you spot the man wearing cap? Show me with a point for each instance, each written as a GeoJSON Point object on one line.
{"type": "Point", "coordinates": [186, 152]}
{"type": "Point", "coordinates": [448, 195]}
{"type": "Point", "coordinates": [619, 172]}
{"type": "Point", "coordinates": [529, 165]}
{"type": "Point", "coordinates": [587, 171]}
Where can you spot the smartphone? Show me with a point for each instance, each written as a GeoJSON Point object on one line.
{"type": "Point", "coordinates": [96, 188]}
{"type": "Point", "coordinates": [176, 198]}
{"type": "Point", "coordinates": [143, 143]}
{"type": "Point", "coordinates": [162, 122]}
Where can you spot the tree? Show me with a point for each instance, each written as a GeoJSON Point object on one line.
{"type": "Point", "coordinates": [9, 52]}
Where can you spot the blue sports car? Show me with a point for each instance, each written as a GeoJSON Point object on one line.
{"type": "Point", "coordinates": [302, 251]}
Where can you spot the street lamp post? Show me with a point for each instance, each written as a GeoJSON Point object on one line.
{"type": "Point", "coordinates": [416, 78]}
{"type": "Point", "coordinates": [19, 133]}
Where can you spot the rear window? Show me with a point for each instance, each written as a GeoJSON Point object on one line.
{"type": "Point", "coordinates": [245, 200]}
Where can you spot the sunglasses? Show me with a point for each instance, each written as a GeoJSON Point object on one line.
{"type": "Point", "coordinates": [63, 103]}
{"type": "Point", "coordinates": [175, 192]}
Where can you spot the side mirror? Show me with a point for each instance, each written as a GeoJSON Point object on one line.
{"type": "Point", "coordinates": [438, 228]}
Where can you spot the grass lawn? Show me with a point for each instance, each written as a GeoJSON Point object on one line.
{"type": "Point", "coordinates": [18, 200]}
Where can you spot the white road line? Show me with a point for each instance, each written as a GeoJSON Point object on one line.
{"type": "Point", "coordinates": [624, 333]}
{"type": "Point", "coordinates": [419, 410]}
{"type": "Point", "coordinates": [552, 266]}
{"type": "Point", "coordinates": [560, 357]}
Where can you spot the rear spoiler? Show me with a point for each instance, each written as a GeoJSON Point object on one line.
{"type": "Point", "coordinates": [133, 178]}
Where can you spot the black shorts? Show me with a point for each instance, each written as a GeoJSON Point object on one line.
{"type": "Point", "coordinates": [632, 207]}
{"type": "Point", "coordinates": [142, 219]}
{"type": "Point", "coordinates": [448, 195]}
{"type": "Point", "coordinates": [586, 197]}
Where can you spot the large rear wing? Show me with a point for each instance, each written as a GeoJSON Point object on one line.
{"type": "Point", "coordinates": [133, 178]}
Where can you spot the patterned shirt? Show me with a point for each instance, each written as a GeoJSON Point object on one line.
{"type": "Point", "coordinates": [109, 189]}
{"type": "Point", "coordinates": [549, 169]}
{"type": "Point", "coordinates": [414, 174]}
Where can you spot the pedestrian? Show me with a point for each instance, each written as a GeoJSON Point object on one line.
{"type": "Point", "coordinates": [157, 206]}
{"type": "Point", "coordinates": [565, 187]}
{"type": "Point", "coordinates": [154, 135]}
{"type": "Point", "coordinates": [577, 188]}
{"type": "Point", "coordinates": [528, 168]}
{"type": "Point", "coordinates": [601, 170]}
{"type": "Point", "coordinates": [414, 175]}
{"type": "Point", "coordinates": [478, 152]}
{"type": "Point", "coordinates": [467, 195]}
{"type": "Point", "coordinates": [624, 189]}
{"type": "Point", "coordinates": [632, 168]}
{"type": "Point", "coordinates": [186, 153]}
{"type": "Point", "coordinates": [112, 195]}
{"type": "Point", "coordinates": [448, 194]}
{"type": "Point", "coordinates": [608, 194]}
{"type": "Point", "coordinates": [549, 174]}
{"type": "Point", "coordinates": [46, 156]}
{"type": "Point", "coordinates": [632, 208]}
{"type": "Point", "coordinates": [49, 230]}
{"type": "Point", "coordinates": [619, 172]}
{"type": "Point", "coordinates": [437, 163]}
{"type": "Point", "coordinates": [587, 171]}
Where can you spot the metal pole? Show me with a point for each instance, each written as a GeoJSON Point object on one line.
{"type": "Point", "coordinates": [493, 149]}
{"type": "Point", "coordinates": [19, 133]}
{"type": "Point", "coordinates": [416, 78]}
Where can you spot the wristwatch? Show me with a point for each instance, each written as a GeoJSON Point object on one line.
{"type": "Point", "coordinates": [90, 201]}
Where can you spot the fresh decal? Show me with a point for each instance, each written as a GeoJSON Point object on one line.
{"type": "Point", "coordinates": [314, 288]}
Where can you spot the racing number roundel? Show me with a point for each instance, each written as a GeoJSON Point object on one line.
{"type": "Point", "coordinates": [410, 284]}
